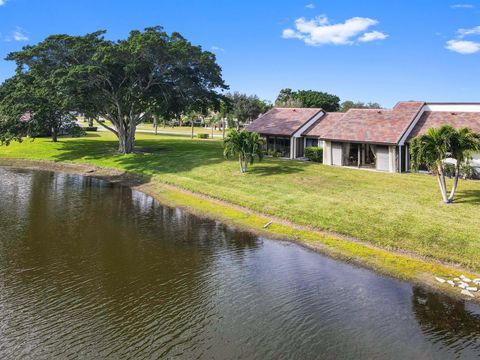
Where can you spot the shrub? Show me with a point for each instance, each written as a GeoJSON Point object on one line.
{"type": "Point", "coordinates": [314, 153]}
{"type": "Point", "coordinates": [72, 130]}
{"type": "Point", "coordinates": [203, 136]}
{"type": "Point", "coordinates": [274, 153]}
{"type": "Point", "coordinates": [90, 128]}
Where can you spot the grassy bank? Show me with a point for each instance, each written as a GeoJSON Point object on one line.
{"type": "Point", "coordinates": [394, 211]}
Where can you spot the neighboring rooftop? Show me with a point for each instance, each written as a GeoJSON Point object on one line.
{"type": "Point", "coordinates": [381, 126]}
{"type": "Point", "coordinates": [324, 124]}
{"type": "Point", "coordinates": [282, 121]}
{"type": "Point", "coordinates": [434, 119]}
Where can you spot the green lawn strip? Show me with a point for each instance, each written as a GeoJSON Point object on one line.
{"type": "Point", "coordinates": [391, 211]}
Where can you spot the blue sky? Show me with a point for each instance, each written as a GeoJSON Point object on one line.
{"type": "Point", "coordinates": [380, 51]}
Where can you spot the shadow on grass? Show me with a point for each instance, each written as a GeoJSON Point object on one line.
{"type": "Point", "coordinates": [154, 156]}
{"type": "Point", "coordinates": [275, 168]}
{"type": "Point", "coordinates": [468, 197]}
{"type": "Point", "coordinates": [161, 156]}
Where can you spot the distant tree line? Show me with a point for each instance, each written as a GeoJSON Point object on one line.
{"type": "Point", "coordinates": [318, 99]}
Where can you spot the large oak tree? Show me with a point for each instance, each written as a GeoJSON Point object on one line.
{"type": "Point", "coordinates": [149, 73]}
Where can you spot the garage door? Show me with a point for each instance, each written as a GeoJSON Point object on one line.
{"type": "Point", "coordinates": [337, 154]}
{"type": "Point", "coordinates": [383, 158]}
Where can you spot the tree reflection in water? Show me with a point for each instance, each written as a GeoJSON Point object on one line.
{"type": "Point", "coordinates": [446, 320]}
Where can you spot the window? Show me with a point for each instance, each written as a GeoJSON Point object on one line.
{"type": "Point", "coordinates": [312, 142]}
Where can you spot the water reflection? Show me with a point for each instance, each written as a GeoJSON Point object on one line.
{"type": "Point", "coordinates": [447, 321]}
{"type": "Point", "coordinates": [94, 270]}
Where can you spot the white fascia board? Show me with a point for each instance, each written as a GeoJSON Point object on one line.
{"type": "Point", "coordinates": [309, 123]}
{"type": "Point", "coordinates": [453, 107]}
{"type": "Point", "coordinates": [412, 125]}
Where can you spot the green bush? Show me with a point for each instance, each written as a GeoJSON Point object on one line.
{"type": "Point", "coordinates": [90, 128]}
{"type": "Point", "coordinates": [314, 153]}
{"type": "Point", "coordinates": [203, 136]}
{"type": "Point", "coordinates": [274, 153]}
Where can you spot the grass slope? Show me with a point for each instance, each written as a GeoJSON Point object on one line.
{"type": "Point", "coordinates": [397, 211]}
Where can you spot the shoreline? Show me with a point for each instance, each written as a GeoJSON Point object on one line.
{"type": "Point", "coordinates": [397, 264]}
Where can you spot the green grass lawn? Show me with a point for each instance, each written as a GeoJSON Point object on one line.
{"type": "Point", "coordinates": [400, 211]}
{"type": "Point", "coordinates": [179, 129]}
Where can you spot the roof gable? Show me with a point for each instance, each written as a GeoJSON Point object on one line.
{"type": "Point", "coordinates": [325, 123]}
{"type": "Point", "coordinates": [383, 126]}
{"type": "Point", "coordinates": [435, 119]}
{"type": "Point", "coordinates": [282, 121]}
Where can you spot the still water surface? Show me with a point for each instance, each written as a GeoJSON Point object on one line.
{"type": "Point", "coordinates": [91, 270]}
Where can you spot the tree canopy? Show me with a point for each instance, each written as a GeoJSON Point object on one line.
{"type": "Point", "coordinates": [125, 81]}
{"type": "Point", "coordinates": [348, 104]}
{"type": "Point", "coordinates": [308, 99]}
{"type": "Point", "coordinates": [245, 107]}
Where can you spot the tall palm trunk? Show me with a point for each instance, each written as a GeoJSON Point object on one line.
{"type": "Point", "coordinates": [240, 160]}
{"type": "Point", "coordinates": [441, 183]}
{"type": "Point", "coordinates": [455, 183]}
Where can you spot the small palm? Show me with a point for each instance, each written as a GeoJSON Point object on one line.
{"type": "Point", "coordinates": [248, 146]}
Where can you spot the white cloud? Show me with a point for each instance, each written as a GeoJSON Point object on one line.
{"type": "Point", "coordinates": [217, 48]}
{"type": "Point", "coordinates": [308, 6]}
{"type": "Point", "coordinates": [319, 31]}
{"type": "Point", "coordinates": [463, 46]}
{"type": "Point", "coordinates": [462, 6]}
{"type": "Point", "coordinates": [372, 36]}
{"type": "Point", "coordinates": [472, 31]}
{"type": "Point", "coordinates": [19, 35]}
{"type": "Point", "coordinates": [2, 2]}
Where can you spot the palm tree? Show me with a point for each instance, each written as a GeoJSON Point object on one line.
{"type": "Point", "coordinates": [246, 145]}
{"type": "Point", "coordinates": [464, 141]}
{"type": "Point", "coordinates": [253, 148]}
{"type": "Point", "coordinates": [436, 145]}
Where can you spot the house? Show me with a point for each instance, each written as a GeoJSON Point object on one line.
{"type": "Point", "coordinates": [365, 138]}
{"type": "Point", "coordinates": [283, 129]}
{"type": "Point", "coordinates": [371, 138]}
{"type": "Point", "coordinates": [466, 115]}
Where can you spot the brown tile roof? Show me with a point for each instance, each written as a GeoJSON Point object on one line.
{"type": "Point", "coordinates": [282, 121]}
{"type": "Point", "coordinates": [324, 124]}
{"type": "Point", "coordinates": [434, 119]}
{"type": "Point", "coordinates": [382, 126]}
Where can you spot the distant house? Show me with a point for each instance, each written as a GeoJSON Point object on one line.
{"type": "Point", "coordinates": [366, 138]}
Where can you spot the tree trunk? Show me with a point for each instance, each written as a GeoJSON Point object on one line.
{"type": "Point", "coordinates": [223, 128]}
{"type": "Point", "coordinates": [441, 183]}
{"type": "Point", "coordinates": [240, 160]}
{"type": "Point", "coordinates": [212, 131]}
{"type": "Point", "coordinates": [455, 183]}
{"type": "Point", "coordinates": [192, 129]}
{"type": "Point", "coordinates": [54, 134]}
{"type": "Point", "coordinates": [155, 124]}
{"type": "Point", "coordinates": [126, 140]}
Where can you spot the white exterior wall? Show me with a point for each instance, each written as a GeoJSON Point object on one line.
{"type": "Point", "coordinates": [392, 152]}
{"type": "Point", "coordinates": [337, 154]}
{"type": "Point", "coordinates": [475, 162]}
{"type": "Point", "coordinates": [383, 158]}
{"type": "Point", "coordinates": [327, 153]}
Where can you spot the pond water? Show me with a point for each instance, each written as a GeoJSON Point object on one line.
{"type": "Point", "coordinates": [94, 270]}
